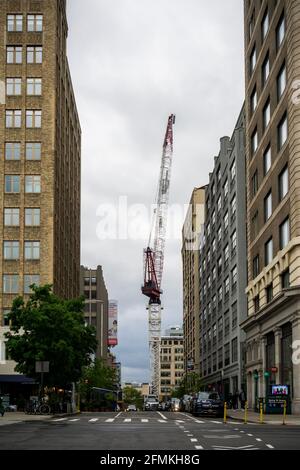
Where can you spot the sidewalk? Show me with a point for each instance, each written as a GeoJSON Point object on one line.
{"type": "Point", "coordinates": [15, 417]}
{"type": "Point", "coordinates": [253, 417]}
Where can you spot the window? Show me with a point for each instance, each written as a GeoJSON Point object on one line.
{"type": "Point", "coordinates": [32, 250]}
{"type": "Point", "coordinates": [32, 217]}
{"type": "Point", "coordinates": [284, 233]}
{"type": "Point", "coordinates": [33, 150]}
{"type": "Point", "coordinates": [214, 245]}
{"type": "Point", "coordinates": [220, 294]}
{"type": "Point", "coordinates": [252, 60]}
{"type": "Point", "coordinates": [219, 265]}
{"type": "Point", "coordinates": [269, 251]}
{"type": "Point", "coordinates": [208, 229]}
{"type": "Point", "coordinates": [282, 132]}
{"type": "Point", "coordinates": [281, 82]}
{"type": "Point", "coordinates": [11, 250]}
{"type": "Point", "coordinates": [10, 284]}
{"type": "Point", "coordinates": [265, 25]}
{"type": "Point", "coordinates": [86, 281]}
{"type": "Point", "coordinates": [11, 217]}
{"type": "Point", "coordinates": [13, 118]}
{"type": "Point", "coordinates": [233, 242]}
{"type": "Point", "coordinates": [283, 183]}
{"type": "Point", "coordinates": [254, 183]}
{"type": "Point", "coordinates": [227, 354]}
{"type": "Point", "coordinates": [226, 221]}
{"type": "Point", "coordinates": [234, 349]}
{"type": "Point", "coordinates": [214, 273]}
{"type": "Point", "coordinates": [233, 172]}
{"type": "Point", "coordinates": [5, 317]}
{"type": "Point", "coordinates": [253, 101]}
{"type": "Point", "coordinates": [34, 54]}
{"type": "Point", "coordinates": [213, 217]}
{"type": "Point", "coordinates": [33, 184]}
{"type": "Point", "coordinates": [12, 151]}
{"type": "Point", "coordinates": [267, 160]}
{"type": "Point", "coordinates": [268, 206]}
{"type": "Point", "coordinates": [254, 141]}
{"type": "Point", "coordinates": [234, 320]}
{"type": "Point", "coordinates": [93, 281]}
{"type": "Point", "coordinates": [34, 86]}
{"type": "Point", "coordinates": [35, 23]}
{"type": "Point", "coordinates": [234, 277]}
{"type": "Point", "coordinates": [13, 86]}
{"type": "Point", "coordinates": [226, 254]}
{"type": "Point", "coordinates": [265, 70]}
{"type": "Point", "coordinates": [225, 189]}
{"type": "Point", "coordinates": [280, 31]}
{"type": "Point", "coordinates": [256, 303]}
{"type": "Point", "coordinates": [218, 175]}
{"type": "Point", "coordinates": [285, 279]}
{"type": "Point", "coordinates": [220, 358]}
{"type": "Point", "coordinates": [226, 284]}
{"type": "Point", "coordinates": [12, 184]}
{"type": "Point", "coordinates": [29, 280]}
{"type": "Point", "coordinates": [15, 23]}
{"type": "Point", "coordinates": [14, 55]}
{"type": "Point", "coordinates": [233, 207]}
{"type": "Point", "coordinates": [219, 204]}
{"type": "Point", "coordinates": [213, 190]}
{"type": "Point", "coordinates": [255, 266]}
{"type": "Point", "coordinates": [266, 114]}
{"type": "Point", "coordinates": [255, 224]}
{"type": "Point", "coordinates": [34, 118]}
{"type": "Point", "coordinates": [219, 234]}
{"type": "Point", "coordinates": [269, 292]}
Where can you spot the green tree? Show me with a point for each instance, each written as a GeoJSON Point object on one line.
{"type": "Point", "coordinates": [47, 328]}
{"type": "Point", "coordinates": [98, 376]}
{"type": "Point", "coordinates": [131, 396]}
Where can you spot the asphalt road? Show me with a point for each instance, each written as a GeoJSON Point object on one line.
{"type": "Point", "coordinates": [145, 431]}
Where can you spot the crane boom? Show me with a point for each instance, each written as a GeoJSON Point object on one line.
{"type": "Point", "coordinates": [154, 258]}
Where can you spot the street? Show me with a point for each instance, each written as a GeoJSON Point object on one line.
{"type": "Point", "coordinates": [145, 431]}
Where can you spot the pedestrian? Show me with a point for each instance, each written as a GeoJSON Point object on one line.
{"type": "Point", "coordinates": [242, 398]}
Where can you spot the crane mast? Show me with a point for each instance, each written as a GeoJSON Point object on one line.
{"type": "Point", "coordinates": [154, 257]}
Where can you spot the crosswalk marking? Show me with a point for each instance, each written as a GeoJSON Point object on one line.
{"type": "Point", "coordinates": [162, 421]}
{"type": "Point", "coordinates": [127, 420]}
{"type": "Point", "coordinates": [198, 447]}
{"type": "Point", "coordinates": [93, 420]}
{"type": "Point", "coordinates": [73, 420]}
{"type": "Point", "coordinates": [110, 420]}
{"type": "Point", "coordinates": [269, 445]}
{"type": "Point", "coordinates": [60, 419]}
{"type": "Point", "coordinates": [145, 420]}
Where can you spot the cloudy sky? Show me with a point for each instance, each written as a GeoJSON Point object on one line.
{"type": "Point", "coordinates": [133, 63]}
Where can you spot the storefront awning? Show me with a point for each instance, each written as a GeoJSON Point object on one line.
{"type": "Point", "coordinates": [20, 379]}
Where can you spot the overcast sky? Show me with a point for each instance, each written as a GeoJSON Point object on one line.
{"type": "Point", "coordinates": [134, 62]}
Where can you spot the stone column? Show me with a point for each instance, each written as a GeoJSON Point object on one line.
{"type": "Point", "coordinates": [278, 335]}
{"type": "Point", "coordinates": [262, 380]}
{"type": "Point", "coordinates": [296, 365]}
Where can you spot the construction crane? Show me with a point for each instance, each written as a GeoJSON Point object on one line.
{"type": "Point", "coordinates": [154, 257]}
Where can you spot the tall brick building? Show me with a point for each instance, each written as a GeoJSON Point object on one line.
{"type": "Point", "coordinates": [272, 57]}
{"type": "Point", "coordinates": [40, 142]}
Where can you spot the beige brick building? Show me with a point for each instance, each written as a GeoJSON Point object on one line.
{"type": "Point", "coordinates": [171, 362]}
{"type": "Point", "coordinates": [40, 141]}
{"type": "Point", "coordinates": [190, 268]}
{"type": "Point", "coordinates": [272, 58]}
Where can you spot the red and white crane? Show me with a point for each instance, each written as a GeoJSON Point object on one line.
{"type": "Point", "coordinates": [154, 257]}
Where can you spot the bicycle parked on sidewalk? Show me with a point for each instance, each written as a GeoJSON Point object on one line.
{"type": "Point", "coordinates": [37, 408]}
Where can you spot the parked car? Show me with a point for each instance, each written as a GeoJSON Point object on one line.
{"type": "Point", "coordinates": [207, 403]}
{"type": "Point", "coordinates": [186, 403]}
{"type": "Point", "coordinates": [131, 408]}
{"type": "Point", "coordinates": [175, 404]}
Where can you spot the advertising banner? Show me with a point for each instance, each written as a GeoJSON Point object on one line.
{"type": "Point", "coordinates": [112, 323]}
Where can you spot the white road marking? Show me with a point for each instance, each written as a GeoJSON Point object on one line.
{"type": "Point", "coordinates": [251, 435]}
{"type": "Point", "coordinates": [194, 440]}
{"type": "Point", "coordinates": [127, 420]}
{"type": "Point", "coordinates": [110, 420]}
{"type": "Point", "coordinates": [216, 422]}
{"type": "Point", "coordinates": [200, 422]}
{"type": "Point", "coordinates": [186, 431]}
{"type": "Point", "coordinates": [60, 419]}
{"type": "Point", "coordinates": [249, 447]}
{"type": "Point", "coordinates": [259, 440]}
{"type": "Point", "coordinates": [145, 420]}
{"type": "Point", "coordinates": [93, 420]}
{"type": "Point", "coordinates": [118, 414]}
{"type": "Point", "coordinates": [179, 421]}
{"type": "Point", "coordinates": [161, 421]}
{"type": "Point", "coordinates": [198, 447]}
{"type": "Point", "coordinates": [269, 445]}
{"type": "Point", "coordinates": [160, 414]}
{"type": "Point", "coordinates": [190, 435]}
{"type": "Point", "coordinates": [73, 420]}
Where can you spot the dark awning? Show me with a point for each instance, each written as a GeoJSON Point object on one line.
{"type": "Point", "coordinates": [20, 379]}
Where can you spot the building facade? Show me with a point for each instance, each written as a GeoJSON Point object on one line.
{"type": "Point", "coordinates": [92, 287]}
{"type": "Point", "coordinates": [171, 362]}
{"type": "Point", "coordinates": [40, 140]}
{"type": "Point", "coordinates": [190, 267]}
{"type": "Point", "coordinates": [272, 58]}
{"type": "Point", "coordinates": [222, 269]}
